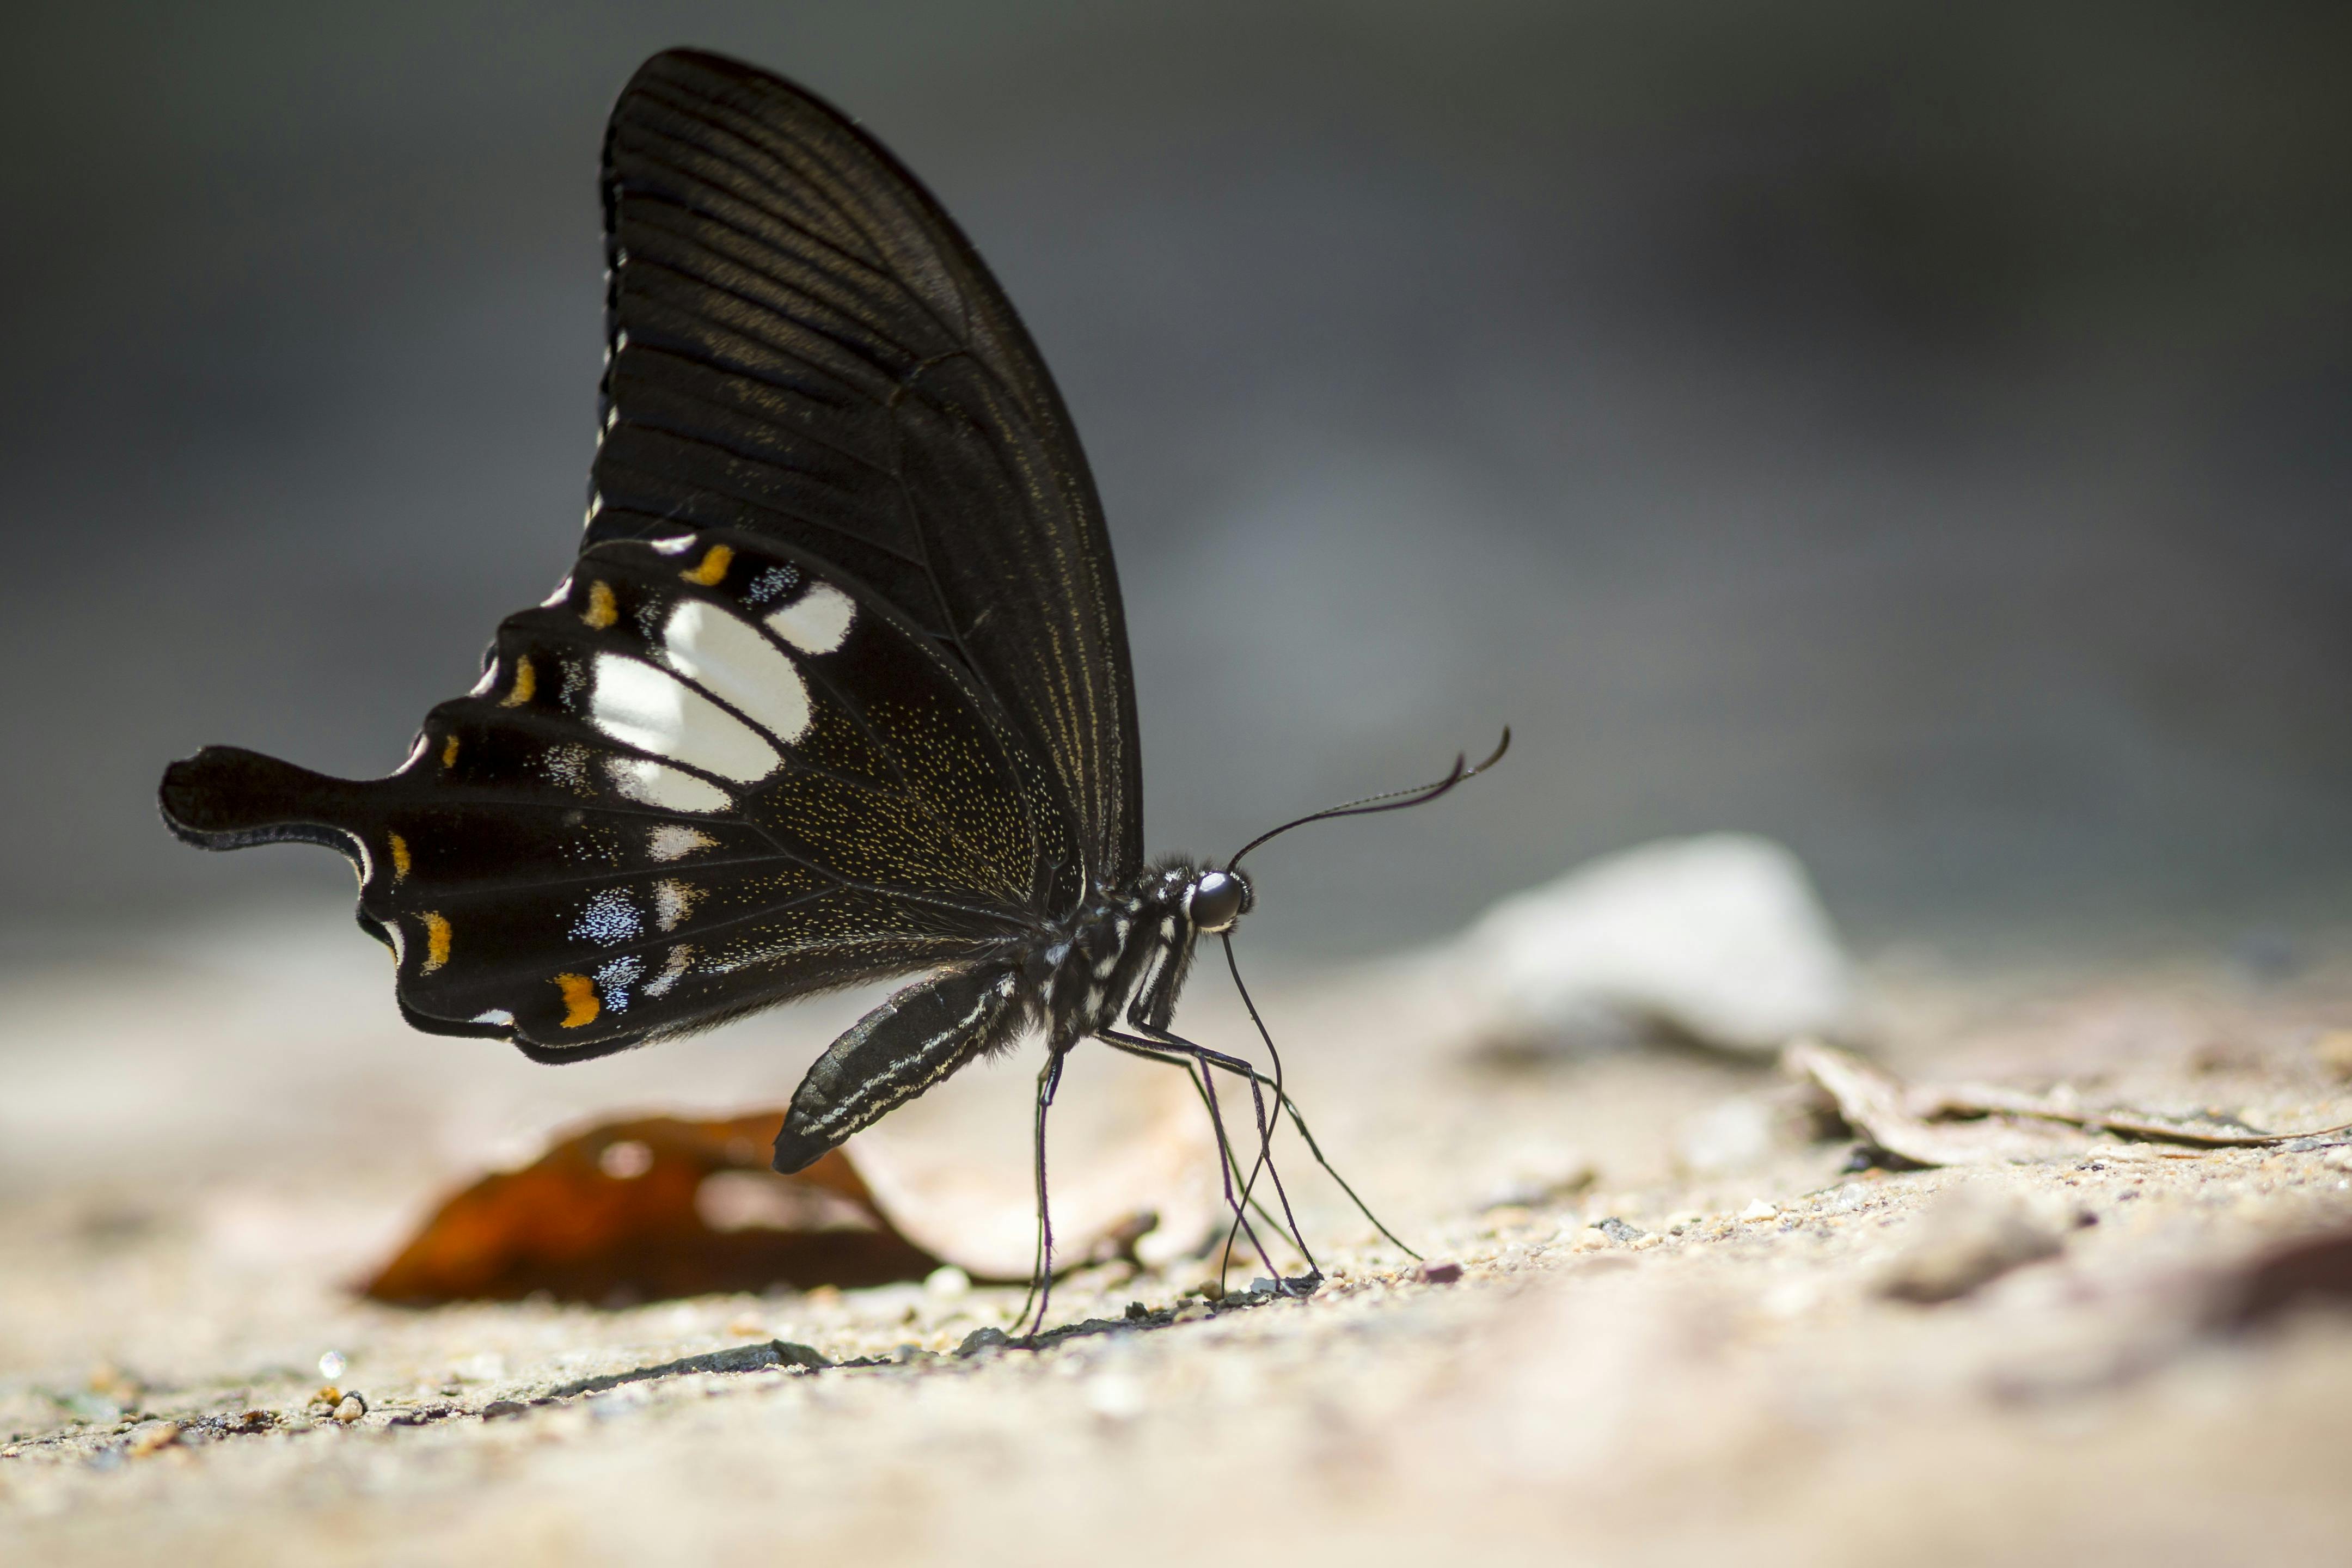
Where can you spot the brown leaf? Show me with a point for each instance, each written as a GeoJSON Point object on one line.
{"type": "Point", "coordinates": [650, 1209]}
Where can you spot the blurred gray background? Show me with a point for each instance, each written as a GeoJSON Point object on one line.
{"type": "Point", "coordinates": [1915, 432]}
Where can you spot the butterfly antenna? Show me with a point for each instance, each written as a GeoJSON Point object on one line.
{"type": "Point", "coordinates": [1389, 800]}
{"type": "Point", "coordinates": [1283, 1097]}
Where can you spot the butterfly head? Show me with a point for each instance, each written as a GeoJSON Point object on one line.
{"type": "Point", "coordinates": [1215, 900]}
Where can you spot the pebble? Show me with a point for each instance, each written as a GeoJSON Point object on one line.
{"type": "Point", "coordinates": [986, 1340]}
{"type": "Point", "coordinates": [1965, 1240]}
{"type": "Point", "coordinates": [500, 1409]}
{"type": "Point", "coordinates": [1440, 1272]}
{"type": "Point", "coordinates": [350, 1408]}
{"type": "Point", "coordinates": [1760, 1209]}
{"type": "Point", "coordinates": [1721, 937]}
{"type": "Point", "coordinates": [152, 1437]}
{"type": "Point", "coordinates": [947, 1283]}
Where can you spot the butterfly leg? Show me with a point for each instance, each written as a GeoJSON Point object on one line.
{"type": "Point", "coordinates": [1040, 1282]}
{"type": "Point", "coordinates": [1264, 1161]}
{"type": "Point", "coordinates": [1235, 1064]}
{"type": "Point", "coordinates": [1161, 1045]}
{"type": "Point", "coordinates": [1194, 1075]}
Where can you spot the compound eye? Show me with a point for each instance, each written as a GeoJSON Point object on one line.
{"type": "Point", "coordinates": [1216, 900]}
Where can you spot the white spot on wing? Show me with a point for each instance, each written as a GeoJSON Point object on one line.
{"type": "Point", "coordinates": [613, 980]}
{"type": "Point", "coordinates": [672, 842]}
{"type": "Point", "coordinates": [673, 901]}
{"type": "Point", "coordinates": [498, 1016]}
{"type": "Point", "coordinates": [676, 544]}
{"type": "Point", "coordinates": [562, 592]}
{"type": "Point", "coordinates": [489, 679]}
{"type": "Point", "coordinates": [657, 784]}
{"type": "Point", "coordinates": [655, 712]}
{"type": "Point", "coordinates": [817, 621]}
{"type": "Point", "coordinates": [609, 918]}
{"type": "Point", "coordinates": [672, 968]}
{"type": "Point", "coordinates": [568, 765]}
{"type": "Point", "coordinates": [729, 659]}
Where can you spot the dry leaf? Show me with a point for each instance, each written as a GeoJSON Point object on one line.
{"type": "Point", "coordinates": [649, 1208]}
{"type": "Point", "coordinates": [658, 1207]}
{"type": "Point", "coordinates": [1979, 1124]}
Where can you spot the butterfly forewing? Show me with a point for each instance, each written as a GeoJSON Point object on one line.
{"type": "Point", "coordinates": [803, 345]}
{"type": "Point", "coordinates": [839, 687]}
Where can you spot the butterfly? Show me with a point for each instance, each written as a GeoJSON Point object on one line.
{"type": "Point", "coordinates": [837, 690]}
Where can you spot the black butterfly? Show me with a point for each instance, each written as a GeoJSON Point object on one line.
{"type": "Point", "coordinates": [838, 688]}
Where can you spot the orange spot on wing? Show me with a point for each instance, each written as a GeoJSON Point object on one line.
{"type": "Point", "coordinates": [580, 1003]}
{"type": "Point", "coordinates": [450, 752]}
{"type": "Point", "coordinates": [400, 861]}
{"type": "Point", "coordinates": [436, 942]}
{"type": "Point", "coordinates": [526, 681]}
{"type": "Point", "coordinates": [713, 569]}
{"type": "Point", "coordinates": [602, 610]}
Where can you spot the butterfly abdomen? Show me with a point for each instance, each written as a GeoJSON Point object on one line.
{"type": "Point", "coordinates": [226, 797]}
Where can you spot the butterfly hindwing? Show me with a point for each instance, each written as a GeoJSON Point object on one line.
{"type": "Point", "coordinates": [707, 774]}
{"type": "Point", "coordinates": [803, 344]}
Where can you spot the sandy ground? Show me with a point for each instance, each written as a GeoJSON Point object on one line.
{"type": "Point", "coordinates": [200, 1147]}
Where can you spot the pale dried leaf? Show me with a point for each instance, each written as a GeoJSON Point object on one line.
{"type": "Point", "coordinates": [1976, 1124]}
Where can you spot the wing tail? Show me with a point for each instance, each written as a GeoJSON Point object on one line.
{"type": "Point", "coordinates": [226, 797]}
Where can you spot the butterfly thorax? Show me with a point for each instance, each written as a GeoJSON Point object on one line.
{"type": "Point", "coordinates": [1126, 950]}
